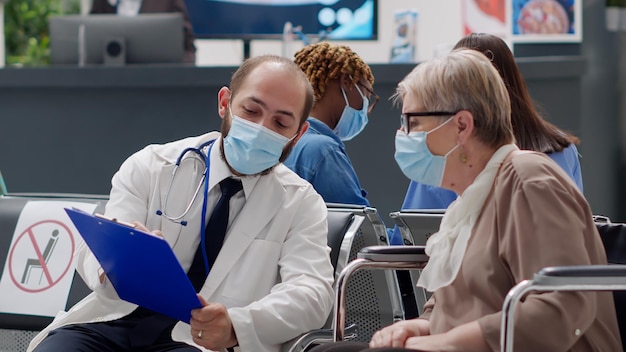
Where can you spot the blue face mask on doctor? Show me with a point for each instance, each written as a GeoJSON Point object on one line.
{"type": "Point", "coordinates": [352, 121]}
{"type": "Point", "coordinates": [250, 148]}
{"type": "Point", "coordinates": [416, 161]}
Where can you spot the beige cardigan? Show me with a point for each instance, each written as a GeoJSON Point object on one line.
{"type": "Point", "coordinates": [534, 217]}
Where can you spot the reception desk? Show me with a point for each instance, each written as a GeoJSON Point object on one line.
{"type": "Point", "coordinates": [67, 129]}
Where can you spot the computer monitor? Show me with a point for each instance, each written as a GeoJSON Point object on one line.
{"type": "Point", "coordinates": [110, 39]}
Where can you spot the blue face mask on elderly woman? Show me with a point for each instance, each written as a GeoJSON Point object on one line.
{"type": "Point", "coordinates": [251, 148]}
{"type": "Point", "coordinates": [416, 161]}
{"type": "Point", "coordinates": [352, 121]}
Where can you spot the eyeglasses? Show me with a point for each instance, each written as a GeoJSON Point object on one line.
{"type": "Point", "coordinates": [406, 120]}
{"type": "Point", "coordinates": [373, 98]}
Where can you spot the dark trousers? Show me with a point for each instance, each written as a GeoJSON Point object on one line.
{"type": "Point", "coordinates": [142, 330]}
{"type": "Point", "coordinates": [355, 347]}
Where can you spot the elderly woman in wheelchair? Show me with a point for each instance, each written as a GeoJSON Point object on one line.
{"type": "Point", "coordinates": [517, 212]}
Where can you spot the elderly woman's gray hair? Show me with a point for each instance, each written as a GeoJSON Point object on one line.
{"type": "Point", "coordinates": [463, 80]}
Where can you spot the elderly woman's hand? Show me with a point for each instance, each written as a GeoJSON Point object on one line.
{"type": "Point", "coordinates": [467, 337]}
{"type": "Point", "coordinates": [395, 335]}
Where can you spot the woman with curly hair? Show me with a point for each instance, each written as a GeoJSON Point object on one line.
{"type": "Point", "coordinates": [344, 96]}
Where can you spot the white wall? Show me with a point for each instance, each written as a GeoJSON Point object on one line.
{"type": "Point", "coordinates": [439, 23]}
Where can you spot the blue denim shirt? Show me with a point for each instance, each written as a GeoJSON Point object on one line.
{"type": "Point", "coordinates": [420, 196]}
{"type": "Point", "coordinates": [320, 157]}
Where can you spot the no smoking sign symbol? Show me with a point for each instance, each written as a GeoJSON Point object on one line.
{"type": "Point", "coordinates": [41, 256]}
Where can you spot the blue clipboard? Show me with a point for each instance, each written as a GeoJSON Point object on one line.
{"type": "Point", "coordinates": [141, 266]}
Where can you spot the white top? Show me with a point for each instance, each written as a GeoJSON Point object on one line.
{"type": "Point", "coordinates": [126, 7]}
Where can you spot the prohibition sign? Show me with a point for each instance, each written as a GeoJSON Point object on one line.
{"type": "Point", "coordinates": [28, 238]}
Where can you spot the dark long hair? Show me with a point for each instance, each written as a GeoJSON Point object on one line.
{"type": "Point", "coordinates": [531, 131]}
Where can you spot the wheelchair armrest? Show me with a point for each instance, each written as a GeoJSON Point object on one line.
{"type": "Point", "coordinates": [413, 254]}
{"type": "Point", "coordinates": [559, 278]}
{"type": "Point", "coordinates": [581, 275]}
{"type": "Point", "coordinates": [317, 337]}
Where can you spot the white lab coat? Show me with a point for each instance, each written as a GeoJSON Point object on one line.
{"type": "Point", "coordinates": [273, 272]}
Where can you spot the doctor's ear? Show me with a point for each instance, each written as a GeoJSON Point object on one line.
{"type": "Point", "coordinates": [223, 99]}
{"type": "Point", "coordinates": [305, 126]}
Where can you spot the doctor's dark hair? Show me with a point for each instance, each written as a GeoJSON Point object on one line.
{"type": "Point", "coordinates": [322, 62]}
{"type": "Point", "coordinates": [250, 64]}
{"type": "Point", "coordinates": [531, 131]}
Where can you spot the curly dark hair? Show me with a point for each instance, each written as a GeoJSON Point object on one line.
{"type": "Point", "coordinates": [323, 61]}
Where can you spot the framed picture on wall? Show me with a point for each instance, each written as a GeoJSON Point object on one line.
{"type": "Point", "coordinates": [525, 21]}
{"type": "Point", "coordinates": [545, 21]}
{"type": "Point", "coordinates": [485, 16]}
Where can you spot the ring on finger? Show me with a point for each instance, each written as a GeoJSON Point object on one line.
{"type": "Point", "coordinates": [200, 334]}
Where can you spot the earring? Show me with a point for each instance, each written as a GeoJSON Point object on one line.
{"type": "Point", "coordinates": [463, 157]}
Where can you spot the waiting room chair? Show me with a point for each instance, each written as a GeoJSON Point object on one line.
{"type": "Point", "coordinates": [342, 228]}
{"type": "Point", "coordinates": [577, 278]}
{"type": "Point", "coordinates": [415, 226]}
{"type": "Point", "coordinates": [373, 257]}
{"type": "Point", "coordinates": [374, 296]}
{"type": "Point", "coordinates": [16, 330]}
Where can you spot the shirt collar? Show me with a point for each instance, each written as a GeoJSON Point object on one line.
{"type": "Point", "coordinates": [319, 127]}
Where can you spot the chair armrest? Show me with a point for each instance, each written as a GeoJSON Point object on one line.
{"type": "Point", "coordinates": [581, 275]}
{"type": "Point", "coordinates": [559, 278]}
{"type": "Point", "coordinates": [316, 337]}
{"type": "Point", "coordinates": [412, 254]}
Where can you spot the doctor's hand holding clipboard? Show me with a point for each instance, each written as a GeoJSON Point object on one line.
{"type": "Point", "coordinates": [211, 326]}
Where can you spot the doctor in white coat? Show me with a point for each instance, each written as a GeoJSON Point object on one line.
{"type": "Point", "coordinates": [272, 279]}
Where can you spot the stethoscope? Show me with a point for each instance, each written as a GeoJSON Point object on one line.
{"type": "Point", "coordinates": [204, 181]}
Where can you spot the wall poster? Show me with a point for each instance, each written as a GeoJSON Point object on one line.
{"type": "Point", "coordinates": [546, 21]}
{"type": "Point", "coordinates": [525, 21]}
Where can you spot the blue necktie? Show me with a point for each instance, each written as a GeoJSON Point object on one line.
{"type": "Point", "coordinates": [218, 222]}
{"type": "Point", "coordinates": [215, 232]}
